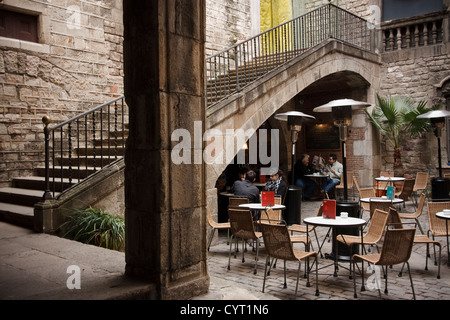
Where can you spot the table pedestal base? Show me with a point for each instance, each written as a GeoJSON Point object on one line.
{"type": "Point", "coordinates": [352, 207]}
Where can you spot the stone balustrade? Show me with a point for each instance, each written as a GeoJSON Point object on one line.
{"type": "Point", "coordinates": [415, 32]}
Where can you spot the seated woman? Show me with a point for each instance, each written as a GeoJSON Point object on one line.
{"type": "Point", "coordinates": [276, 183]}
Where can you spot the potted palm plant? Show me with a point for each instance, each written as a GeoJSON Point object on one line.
{"type": "Point", "coordinates": [396, 119]}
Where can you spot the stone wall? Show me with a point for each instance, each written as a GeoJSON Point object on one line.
{"type": "Point", "coordinates": [227, 21]}
{"type": "Point", "coordinates": [76, 65]}
{"type": "Point", "coordinates": [416, 73]}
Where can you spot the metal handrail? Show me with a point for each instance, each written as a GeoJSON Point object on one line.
{"type": "Point", "coordinates": [90, 131]}
{"type": "Point", "coordinates": [228, 71]}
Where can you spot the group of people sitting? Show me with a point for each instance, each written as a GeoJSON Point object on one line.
{"type": "Point", "coordinates": [333, 169]}
{"type": "Point", "coordinates": [244, 186]}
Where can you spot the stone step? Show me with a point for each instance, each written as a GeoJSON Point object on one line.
{"type": "Point", "coordinates": [67, 172]}
{"type": "Point", "coordinates": [38, 183]}
{"type": "Point", "coordinates": [17, 214]}
{"type": "Point", "coordinates": [20, 196]}
{"type": "Point", "coordinates": [89, 151]}
{"type": "Point", "coordinates": [82, 161]}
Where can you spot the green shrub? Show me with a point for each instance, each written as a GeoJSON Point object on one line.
{"type": "Point", "coordinates": [93, 226]}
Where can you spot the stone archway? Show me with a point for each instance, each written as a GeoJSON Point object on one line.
{"type": "Point", "coordinates": [256, 103]}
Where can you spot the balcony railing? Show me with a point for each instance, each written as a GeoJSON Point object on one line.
{"type": "Point", "coordinates": [82, 145]}
{"type": "Point", "coordinates": [229, 71]}
{"type": "Point", "coordinates": [415, 32]}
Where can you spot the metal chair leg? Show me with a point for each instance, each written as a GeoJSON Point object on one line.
{"type": "Point", "coordinates": [410, 279]}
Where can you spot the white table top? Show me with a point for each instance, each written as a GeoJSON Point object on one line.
{"type": "Point", "coordinates": [442, 215]}
{"type": "Point", "coordinates": [338, 222]}
{"type": "Point", "coordinates": [316, 175]}
{"type": "Point", "coordinates": [390, 178]}
{"type": "Point", "coordinates": [381, 199]}
{"type": "Point", "coordinates": [259, 206]}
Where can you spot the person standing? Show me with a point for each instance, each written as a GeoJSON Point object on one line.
{"type": "Point", "coordinates": [334, 169]}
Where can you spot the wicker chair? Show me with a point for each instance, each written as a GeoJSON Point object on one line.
{"type": "Point", "coordinates": [373, 235]}
{"type": "Point", "coordinates": [437, 227]}
{"type": "Point", "coordinates": [364, 193]}
{"type": "Point", "coordinates": [236, 201]}
{"type": "Point", "coordinates": [242, 227]}
{"type": "Point", "coordinates": [418, 239]}
{"type": "Point", "coordinates": [382, 205]}
{"type": "Point", "coordinates": [278, 244]}
{"type": "Point", "coordinates": [349, 184]}
{"type": "Point", "coordinates": [272, 216]}
{"type": "Point", "coordinates": [417, 214]}
{"type": "Point", "coordinates": [406, 191]}
{"type": "Point", "coordinates": [302, 229]}
{"type": "Point", "coordinates": [374, 232]}
{"type": "Point", "coordinates": [396, 249]}
{"type": "Point", "coordinates": [215, 226]}
{"type": "Point", "coordinates": [420, 185]}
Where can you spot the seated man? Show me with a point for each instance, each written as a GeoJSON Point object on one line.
{"type": "Point", "coordinates": [334, 169]}
{"type": "Point", "coordinates": [303, 167]}
{"type": "Point", "coordinates": [245, 188]}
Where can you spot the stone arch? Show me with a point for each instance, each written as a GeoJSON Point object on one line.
{"type": "Point", "coordinates": [256, 103]}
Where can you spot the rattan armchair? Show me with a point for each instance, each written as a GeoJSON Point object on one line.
{"type": "Point", "coordinates": [374, 231]}
{"type": "Point", "coordinates": [420, 185]}
{"type": "Point", "coordinates": [236, 201]}
{"type": "Point", "coordinates": [278, 245]}
{"type": "Point", "coordinates": [215, 226]}
{"type": "Point", "coordinates": [242, 227]}
{"type": "Point", "coordinates": [371, 237]}
{"type": "Point", "coordinates": [271, 216]}
{"type": "Point", "coordinates": [364, 193]}
{"type": "Point", "coordinates": [349, 184]}
{"type": "Point", "coordinates": [300, 228]}
{"type": "Point", "coordinates": [418, 239]}
{"type": "Point", "coordinates": [381, 205]}
{"type": "Point", "coordinates": [396, 249]}
{"type": "Point", "coordinates": [415, 215]}
{"type": "Point", "coordinates": [406, 191]}
{"type": "Point", "coordinates": [437, 227]}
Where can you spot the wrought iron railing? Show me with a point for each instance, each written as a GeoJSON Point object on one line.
{"type": "Point", "coordinates": [229, 71]}
{"type": "Point", "coordinates": [82, 145]}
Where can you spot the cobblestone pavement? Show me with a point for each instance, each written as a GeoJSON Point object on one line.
{"type": "Point", "coordinates": [241, 277]}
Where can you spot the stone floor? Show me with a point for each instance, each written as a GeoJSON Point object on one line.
{"type": "Point", "coordinates": [225, 282]}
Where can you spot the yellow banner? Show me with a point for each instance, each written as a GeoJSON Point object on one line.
{"type": "Point", "coordinates": [272, 14]}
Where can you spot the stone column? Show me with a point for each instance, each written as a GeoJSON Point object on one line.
{"type": "Point", "coordinates": [164, 89]}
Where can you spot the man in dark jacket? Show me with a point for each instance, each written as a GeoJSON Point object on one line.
{"type": "Point", "coordinates": [302, 168]}
{"type": "Point", "coordinates": [245, 188]}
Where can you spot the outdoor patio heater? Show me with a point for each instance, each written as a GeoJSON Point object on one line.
{"type": "Point", "coordinates": [295, 120]}
{"type": "Point", "coordinates": [341, 111]}
{"type": "Point", "coordinates": [440, 186]}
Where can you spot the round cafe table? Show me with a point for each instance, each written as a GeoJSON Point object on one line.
{"type": "Point", "coordinates": [390, 179]}
{"type": "Point", "coordinates": [335, 223]}
{"type": "Point", "coordinates": [394, 201]}
{"type": "Point", "coordinates": [442, 215]}
{"type": "Point", "coordinates": [259, 206]}
{"type": "Point", "coordinates": [317, 178]}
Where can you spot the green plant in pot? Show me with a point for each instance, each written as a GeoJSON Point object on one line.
{"type": "Point", "coordinates": [396, 119]}
{"type": "Point", "coordinates": [96, 227]}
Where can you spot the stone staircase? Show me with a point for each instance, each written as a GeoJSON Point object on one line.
{"type": "Point", "coordinates": [17, 201]}
{"type": "Point", "coordinates": [226, 84]}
